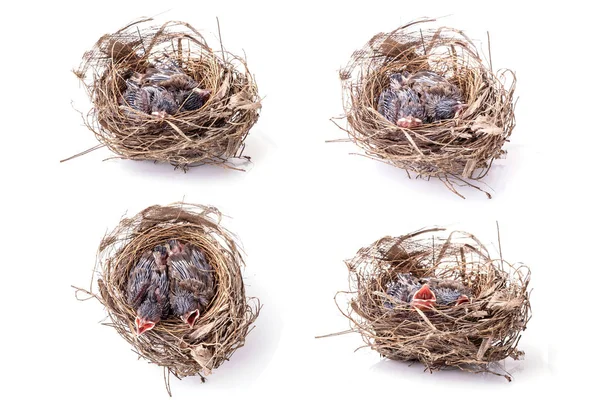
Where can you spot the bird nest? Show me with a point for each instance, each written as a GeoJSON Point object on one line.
{"type": "Point", "coordinates": [219, 331]}
{"type": "Point", "coordinates": [212, 134]}
{"type": "Point", "coordinates": [472, 336]}
{"type": "Point", "coordinates": [458, 151]}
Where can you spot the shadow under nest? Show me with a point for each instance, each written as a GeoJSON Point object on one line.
{"type": "Point", "coordinates": [473, 336]}
{"type": "Point", "coordinates": [219, 331]}
{"type": "Point", "coordinates": [458, 151]}
{"type": "Point", "coordinates": [212, 134]}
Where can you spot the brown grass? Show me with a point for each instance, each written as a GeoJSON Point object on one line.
{"type": "Point", "coordinates": [460, 151]}
{"type": "Point", "coordinates": [220, 331]}
{"type": "Point", "coordinates": [213, 134]}
{"type": "Point", "coordinates": [472, 336]}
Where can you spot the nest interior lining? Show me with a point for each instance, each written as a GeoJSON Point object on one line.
{"type": "Point", "coordinates": [457, 151]}
{"type": "Point", "coordinates": [470, 336]}
{"type": "Point", "coordinates": [211, 135]}
{"type": "Point", "coordinates": [224, 325]}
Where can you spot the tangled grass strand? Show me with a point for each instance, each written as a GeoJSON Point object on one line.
{"type": "Point", "coordinates": [213, 134]}
{"type": "Point", "coordinates": [458, 151]}
{"type": "Point", "coordinates": [223, 327]}
{"type": "Point", "coordinates": [473, 336]}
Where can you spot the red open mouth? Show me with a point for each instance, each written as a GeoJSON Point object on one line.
{"type": "Point", "coordinates": [424, 299]}
{"type": "Point", "coordinates": [192, 317]}
{"type": "Point", "coordinates": [143, 326]}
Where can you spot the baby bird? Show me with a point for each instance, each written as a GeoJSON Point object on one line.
{"type": "Point", "coordinates": [163, 102]}
{"type": "Point", "coordinates": [191, 100]}
{"type": "Point", "coordinates": [440, 98]}
{"type": "Point", "coordinates": [192, 282]}
{"type": "Point", "coordinates": [148, 289]}
{"type": "Point", "coordinates": [426, 293]}
{"type": "Point", "coordinates": [400, 104]}
{"type": "Point", "coordinates": [149, 99]}
{"type": "Point", "coordinates": [423, 97]}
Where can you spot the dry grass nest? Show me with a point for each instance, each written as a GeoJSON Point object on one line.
{"type": "Point", "coordinates": [213, 134]}
{"type": "Point", "coordinates": [472, 336]}
{"type": "Point", "coordinates": [458, 151]}
{"type": "Point", "coordinates": [171, 344]}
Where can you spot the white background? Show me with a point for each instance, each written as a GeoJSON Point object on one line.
{"type": "Point", "coordinates": [303, 206]}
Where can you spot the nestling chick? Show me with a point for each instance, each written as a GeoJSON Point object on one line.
{"type": "Point", "coordinates": [163, 102]}
{"type": "Point", "coordinates": [191, 100]}
{"type": "Point", "coordinates": [149, 99]}
{"type": "Point", "coordinates": [440, 98]}
{"type": "Point", "coordinates": [192, 282]}
{"type": "Point", "coordinates": [148, 289]}
{"type": "Point", "coordinates": [400, 104]}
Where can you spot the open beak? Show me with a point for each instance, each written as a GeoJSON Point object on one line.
{"type": "Point", "coordinates": [141, 325]}
{"type": "Point", "coordinates": [424, 299]}
{"type": "Point", "coordinates": [462, 299]}
{"type": "Point", "coordinates": [191, 317]}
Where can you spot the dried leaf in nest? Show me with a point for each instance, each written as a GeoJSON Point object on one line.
{"type": "Point", "coordinates": [457, 151]}
{"type": "Point", "coordinates": [217, 333]}
{"type": "Point", "coordinates": [471, 336]}
{"type": "Point", "coordinates": [212, 134]}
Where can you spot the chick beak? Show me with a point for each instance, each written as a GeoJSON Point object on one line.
{"type": "Point", "coordinates": [459, 108]}
{"type": "Point", "coordinates": [160, 114]}
{"type": "Point", "coordinates": [204, 93]}
{"type": "Point", "coordinates": [141, 325]}
{"type": "Point", "coordinates": [191, 317]}
{"type": "Point", "coordinates": [462, 299]}
{"type": "Point", "coordinates": [424, 299]}
{"type": "Point", "coordinates": [409, 122]}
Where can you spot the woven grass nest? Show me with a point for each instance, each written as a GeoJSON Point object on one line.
{"type": "Point", "coordinates": [472, 336]}
{"type": "Point", "coordinates": [212, 134]}
{"type": "Point", "coordinates": [219, 331]}
{"type": "Point", "coordinates": [457, 151]}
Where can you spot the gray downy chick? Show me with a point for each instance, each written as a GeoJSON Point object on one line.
{"type": "Point", "coordinates": [153, 100]}
{"type": "Point", "coordinates": [148, 289]}
{"type": "Point", "coordinates": [162, 101]}
{"type": "Point", "coordinates": [132, 97]}
{"type": "Point", "coordinates": [400, 104]}
{"type": "Point", "coordinates": [192, 282]}
{"type": "Point", "coordinates": [190, 100]}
